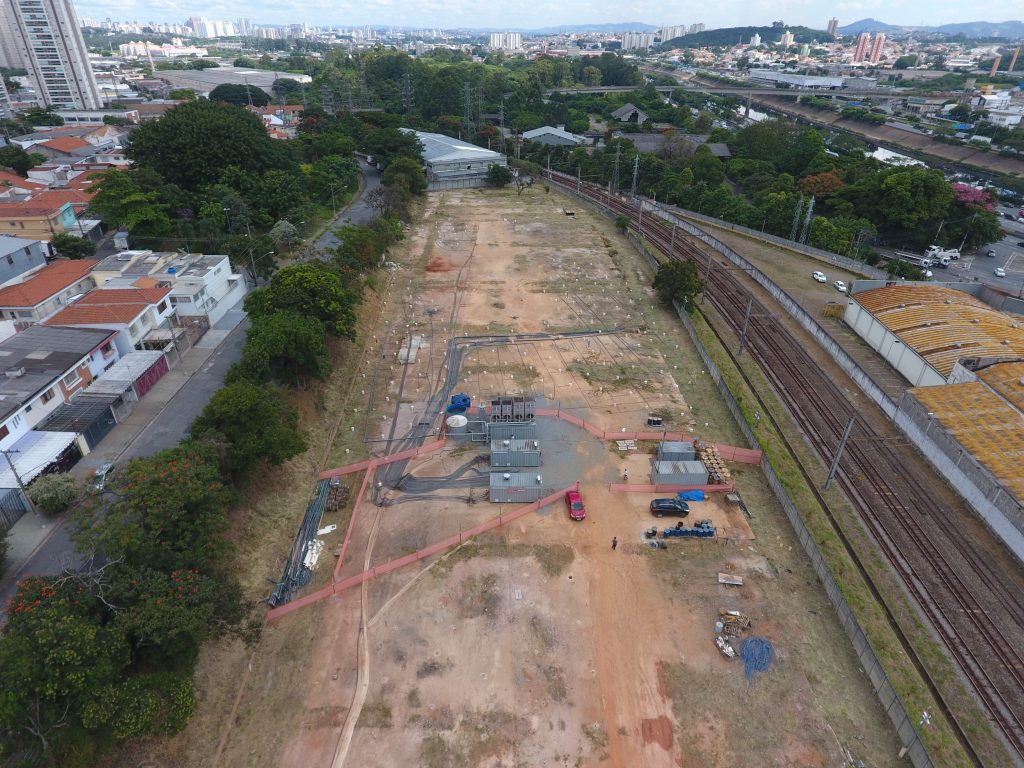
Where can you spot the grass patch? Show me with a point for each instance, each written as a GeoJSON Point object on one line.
{"type": "Point", "coordinates": [611, 376]}
{"type": "Point", "coordinates": [376, 714]}
{"type": "Point", "coordinates": [478, 596]}
{"type": "Point", "coordinates": [478, 738]}
{"type": "Point", "coordinates": [552, 558]}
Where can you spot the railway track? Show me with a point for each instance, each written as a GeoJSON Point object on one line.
{"type": "Point", "coordinates": [974, 609]}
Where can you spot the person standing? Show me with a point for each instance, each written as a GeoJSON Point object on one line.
{"type": "Point", "coordinates": [615, 542]}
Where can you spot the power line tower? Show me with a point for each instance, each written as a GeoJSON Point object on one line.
{"type": "Point", "coordinates": [807, 221]}
{"type": "Point", "coordinates": [468, 127]}
{"type": "Point", "coordinates": [796, 218]}
{"type": "Point", "coordinates": [636, 174]}
{"type": "Point", "coordinates": [615, 171]}
{"type": "Point", "coordinates": [327, 99]}
{"type": "Point", "coordinates": [408, 97]}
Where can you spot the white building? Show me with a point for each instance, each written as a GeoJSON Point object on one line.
{"type": "Point", "coordinates": [671, 33]}
{"type": "Point", "coordinates": [506, 41]}
{"type": "Point", "coordinates": [49, 44]}
{"type": "Point", "coordinates": [634, 41]}
{"type": "Point", "coordinates": [786, 39]}
{"type": "Point", "coordinates": [171, 50]}
{"type": "Point", "coordinates": [6, 112]}
{"type": "Point", "coordinates": [755, 40]}
{"type": "Point", "coordinates": [454, 164]}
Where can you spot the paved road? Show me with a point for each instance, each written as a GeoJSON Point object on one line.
{"type": "Point", "coordinates": [978, 267]}
{"type": "Point", "coordinates": [357, 212]}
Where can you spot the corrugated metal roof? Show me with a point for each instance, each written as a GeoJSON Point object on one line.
{"type": "Point", "coordinates": [122, 374]}
{"type": "Point", "coordinates": [440, 148]}
{"type": "Point", "coordinates": [943, 325]}
{"type": "Point", "coordinates": [32, 454]}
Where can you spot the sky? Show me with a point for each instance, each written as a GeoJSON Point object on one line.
{"type": "Point", "coordinates": [521, 14]}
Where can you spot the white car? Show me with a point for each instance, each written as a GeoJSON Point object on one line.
{"type": "Point", "coordinates": [840, 286]}
{"type": "Point", "coordinates": [819, 277]}
{"type": "Point", "coordinates": [1000, 272]}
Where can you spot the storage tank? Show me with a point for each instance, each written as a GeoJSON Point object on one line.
{"type": "Point", "coordinates": [455, 426]}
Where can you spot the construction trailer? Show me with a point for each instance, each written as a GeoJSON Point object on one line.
{"type": "Point", "coordinates": [673, 450]}
{"type": "Point", "coordinates": [515, 453]}
{"type": "Point", "coordinates": [516, 487]}
{"type": "Point", "coordinates": [679, 473]}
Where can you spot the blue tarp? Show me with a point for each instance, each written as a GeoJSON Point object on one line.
{"type": "Point", "coordinates": [690, 495]}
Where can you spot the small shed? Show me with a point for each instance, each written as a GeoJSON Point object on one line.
{"type": "Point", "coordinates": [629, 113]}
{"type": "Point", "coordinates": [121, 240]}
{"type": "Point", "coordinates": [670, 450]}
{"type": "Point", "coordinates": [679, 473]}
{"type": "Point", "coordinates": [515, 453]}
{"type": "Point", "coordinates": [516, 487]}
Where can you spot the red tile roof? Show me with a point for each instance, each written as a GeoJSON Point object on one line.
{"type": "Point", "coordinates": [48, 281]}
{"type": "Point", "coordinates": [65, 144]}
{"type": "Point", "coordinates": [79, 314]}
{"type": "Point", "coordinates": [55, 198]}
{"type": "Point", "coordinates": [8, 179]}
{"type": "Point", "coordinates": [125, 295]}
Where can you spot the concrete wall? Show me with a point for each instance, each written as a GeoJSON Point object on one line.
{"type": "Point", "coordinates": [912, 366]}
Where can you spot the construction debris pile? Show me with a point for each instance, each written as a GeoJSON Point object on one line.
{"type": "Point", "coordinates": [729, 630]}
{"type": "Point", "coordinates": [757, 652]}
{"type": "Point", "coordinates": [708, 455]}
{"type": "Point", "coordinates": [337, 496]}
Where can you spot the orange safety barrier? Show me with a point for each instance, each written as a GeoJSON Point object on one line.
{"type": "Point", "coordinates": [336, 587]}
{"type": "Point", "coordinates": [668, 488]}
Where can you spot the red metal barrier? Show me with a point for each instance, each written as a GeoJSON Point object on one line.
{"type": "Point", "coordinates": [337, 587]}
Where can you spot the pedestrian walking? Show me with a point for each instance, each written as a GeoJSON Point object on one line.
{"type": "Point", "coordinates": [625, 474]}
{"type": "Point", "coordinates": [615, 542]}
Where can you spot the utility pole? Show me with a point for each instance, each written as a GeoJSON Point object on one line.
{"type": "Point", "coordinates": [796, 218]}
{"type": "Point", "coordinates": [579, 169]}
{"type": "Point", "coordinates": [636, 172]}
{"type": "Point", "coordinates": [672, 245]}
{"type": "Point", "coordinates": [746, 324]}
{"type": "Point", "coordinates": [615, 173]}
{"type": "Point", "coordinates": [839, 452]}
{"type": "Point", "coordinates": [17, 477]}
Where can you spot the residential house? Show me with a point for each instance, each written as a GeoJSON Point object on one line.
{"type": "Point", "coordinates": [47, 291]}
{"type": "Point", "coordinates": [131, 312]}
{"type": "Point", "coordinates": [15, 188]}
{"type": "Point", "coordinates": [20, 258]}
{"type": "Point", "coordinates": [64, 148]}
{"type": "Point", "coordinates": [37, 219]}
{"type": "Point", "coordinates": [553, 136]}
{"type": "Point", "coordinates": [43, 367]}
{"type": "Point", "coordinates": [629, 113]}
{"type": "Point", "coordinates": [201, 286]}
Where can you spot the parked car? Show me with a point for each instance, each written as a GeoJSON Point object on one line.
{"type": "Point", "coordinates": [1020, 243]}
{"type": "Point", "coordinates": [819, 277]}
{"type": "Point", "coordinates": [840, 286]}
{"type": "Point", "coordinates": [573, 500]}
{"type": "Point", "coordinates": [990, 253]}
{"type": "Point", "coordinates": [661, 507]}
{"type": "Point", "coordinates": [1000, 272]}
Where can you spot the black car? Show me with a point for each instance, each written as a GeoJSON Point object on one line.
{"type": "Point", "coordinates": [1020, 243]}
{"type": "Point", "coordinates": [670, 507]}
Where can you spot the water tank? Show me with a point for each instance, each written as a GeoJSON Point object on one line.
{"type": "Point", "coordinates": [456, 425]}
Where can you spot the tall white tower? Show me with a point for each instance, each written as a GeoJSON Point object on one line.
{"type": "Point", "coordinates": [50, 44]}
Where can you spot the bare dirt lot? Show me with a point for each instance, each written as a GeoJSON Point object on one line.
{"type": "Point", "coordinates": [540, 645]}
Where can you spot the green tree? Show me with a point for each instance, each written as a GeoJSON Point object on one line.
{"type": "Point", "coordinates": [706, 167]}
{"type": "Point", "coordinates": [121, 200]}
{"type": "Point", "coordinates": [182, 94]}
{"type": "Point", "coordinates": [282, 347]}
{"type": "Point", "coordinates": [905, 62]}
{"type": "Point", "coordinates": [72, 247]}
{"type": "Point", "coordinates": [241, 95]}
{"type": "Point", "coordinates": [678, 282]}
{"type": "Point", "coordinates": [622, 223]}
{"type": "Point", "coordinates": [498, 176]}
{"type": "Point", "coordinates": [407, 171]}
{"type": "Point", "coordinates": [255, 423]}
{"type": "Point", "coordinates": [58, 660]}
{"type": "Point", "coordinates": [168, 512]}
{"type": "Point", "coordinates": [591, 77]}
{"type": "Point", "coordinates": [41, 116]}
{"type": "Point", "coordinates": [195, 143]}
{"type": "Point", "coordinates": [960, 112]}
{"type": "Point", "coordinates": [53, 493]}
{"type": "Point", "coordinates": [17, 159]}
{"type": "Point", "coordinates": [254, 255]}
{"type": "Point", "coordinates": [312, 290]}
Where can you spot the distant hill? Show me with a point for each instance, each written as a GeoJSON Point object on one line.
{"type": "Point", "coordinates": [869, 25]}
{"type": "Point", "coordinates": [1013, 30]}
{"type": "Point", "coordinates": [717, 38]}
{"type": "Point", "coordinates": [626, 26]}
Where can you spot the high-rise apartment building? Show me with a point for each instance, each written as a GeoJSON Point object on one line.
{"type": "Point", "coordinates": [695, 28]}
{"type": "Point", "coordinates": [876, 47]}
{"type": "Point", "coordinates": [671, 33]}
{"type": "Point", "coordinates": [786, 39]}
{"type": "Point", "coordinates": [862, 46]}
{"type": "Point", "coordinates": [833, 27]}
{"type": "Point", "coordinates": [6, 111]}
{"type": "Point", "coordinates": [48, 42]}
{"type": "Point", "coordinates": [632, 41]}
{"type": "Point", "coordinates": [506, 41]}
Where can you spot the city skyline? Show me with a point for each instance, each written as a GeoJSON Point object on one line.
{"type": "Point", "coordinates": [461, 14]}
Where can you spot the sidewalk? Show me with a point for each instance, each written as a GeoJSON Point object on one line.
{"type": "Point", "coordinates": [33, 530]}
